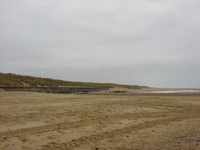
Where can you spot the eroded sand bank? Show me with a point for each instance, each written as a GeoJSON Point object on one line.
{"type": "Point", "coordinates": [101, 121]}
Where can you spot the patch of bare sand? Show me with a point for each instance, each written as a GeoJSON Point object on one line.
{"type": "Point", "coordinates": [38, 121]}
{"type": "Point", "coordinates": [1, 90]}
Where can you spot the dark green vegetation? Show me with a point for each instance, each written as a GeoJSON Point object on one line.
{"type": "Point", "coordinates": [13, 80]}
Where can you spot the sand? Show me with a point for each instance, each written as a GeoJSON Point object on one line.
{"type": "Point", "coordinates": [1, 90]}
{"type": "Point", "coordinates": [99, 121]}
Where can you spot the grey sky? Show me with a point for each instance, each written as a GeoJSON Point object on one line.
{"type": "Point", "coordinates": [144, 42]}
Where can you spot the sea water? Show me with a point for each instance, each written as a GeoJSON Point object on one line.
{"type": "Point", "coordinates": [175, 91]}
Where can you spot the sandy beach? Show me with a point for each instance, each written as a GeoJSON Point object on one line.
{"type": "Point", "coordinates": [99, 121]}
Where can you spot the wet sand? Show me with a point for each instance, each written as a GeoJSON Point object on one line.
{"type": "Point", "coordinates": [99, 121]}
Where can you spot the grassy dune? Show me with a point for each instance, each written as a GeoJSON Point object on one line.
{"type": "Point", "coordinates": [13, 80]}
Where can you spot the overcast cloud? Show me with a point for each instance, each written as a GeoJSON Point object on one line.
{"type": "Point", "coordinates": [140, 42]}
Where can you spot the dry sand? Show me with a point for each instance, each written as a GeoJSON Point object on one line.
{"type": "Point", "coordinates": [101, 121]}
{"type": "Point", "coordinates": [1, 90]}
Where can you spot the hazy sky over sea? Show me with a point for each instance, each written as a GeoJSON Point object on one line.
{"type": "Point", "coordinates": [140, 42]}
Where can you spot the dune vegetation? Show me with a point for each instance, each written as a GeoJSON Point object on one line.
{"type": "Point", "coordinates": [13, 80]}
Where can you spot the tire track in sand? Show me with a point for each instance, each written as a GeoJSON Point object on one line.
{"type": "Point", "coordinates": [108, 134]}
{"type": "Point", "coordinates": [106, 120]}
